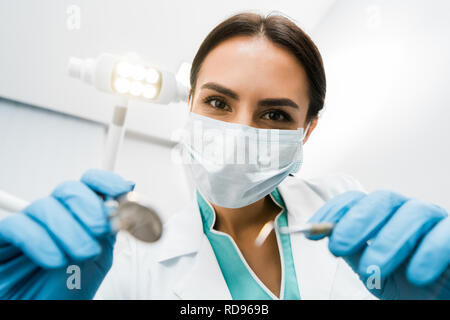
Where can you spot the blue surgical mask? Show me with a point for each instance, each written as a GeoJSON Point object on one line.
{"type": "Point", "coordinates": [234, 165]}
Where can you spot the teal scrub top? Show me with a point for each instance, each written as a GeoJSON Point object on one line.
{"type": "Point", "coordinates": [242, 282]}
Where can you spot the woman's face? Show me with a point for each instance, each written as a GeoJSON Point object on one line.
{"type": "Point", "coordinates": [251, 81]}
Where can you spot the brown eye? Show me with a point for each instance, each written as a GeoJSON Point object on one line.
{"type": "Point", "coordinates": [276, 116]}
{"type": "Point", "coordinates": [216, 103]}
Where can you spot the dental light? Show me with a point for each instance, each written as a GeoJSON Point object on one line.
{"type": "Point", "coordinates": [130, 77]}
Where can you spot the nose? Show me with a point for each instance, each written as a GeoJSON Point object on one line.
{"type": "Point", "coordinates": [244, 116]}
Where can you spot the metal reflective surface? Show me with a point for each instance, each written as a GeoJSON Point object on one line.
{"type": "Point", "coordinates": [136, 216]}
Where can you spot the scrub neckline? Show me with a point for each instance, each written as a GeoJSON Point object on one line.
{"type": "Point", "coordinates": [209, 222]}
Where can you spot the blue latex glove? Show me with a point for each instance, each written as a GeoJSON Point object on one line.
{"type": "Point", "coordinates": [407, 239]}
{"type": "Point", "coordinates": [70, 227]}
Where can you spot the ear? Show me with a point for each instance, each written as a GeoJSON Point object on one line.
{"type": "Point", "coordinates": [311, 128]}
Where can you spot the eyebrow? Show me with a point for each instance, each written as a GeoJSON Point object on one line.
{"type": "Point", "coordinates": [271, 102]}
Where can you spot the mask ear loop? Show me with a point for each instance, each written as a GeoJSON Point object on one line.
{"type": "Point", "coordinates": [305, 132]}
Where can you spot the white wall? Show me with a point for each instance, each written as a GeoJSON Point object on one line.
{"type": "Point", "coordinates": [388, 107]}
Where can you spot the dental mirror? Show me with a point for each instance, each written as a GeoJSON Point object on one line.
{"type": "Point", "coordinates": [134, 214]}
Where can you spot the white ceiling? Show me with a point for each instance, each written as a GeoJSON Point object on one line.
{"type": "Point", "coordinates": [36, 44]}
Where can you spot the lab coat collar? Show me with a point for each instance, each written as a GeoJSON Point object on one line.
{"type": "Point", "coordinates": [300, 200]}
{"type": "Point", "coordinates": [205, 280]}
{"type": "Point", "coordinates": [185, 236]}
{"type": "Point", "coordinates": [315, 266]}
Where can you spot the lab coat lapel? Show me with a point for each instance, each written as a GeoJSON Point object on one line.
{"type": "Point", "coordinates": [205, 280]}
{"type": "Point", "coordinates": [315, 266]}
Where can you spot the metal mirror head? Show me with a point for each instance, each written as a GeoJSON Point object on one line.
{"type": "Point", "coordinates": [139, 219]}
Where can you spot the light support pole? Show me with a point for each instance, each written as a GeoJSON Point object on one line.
{"type": "Point", "coordinates": [116, 132]}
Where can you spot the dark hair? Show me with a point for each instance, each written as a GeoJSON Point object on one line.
{"type": "Point", "coordinates": [281, 31]}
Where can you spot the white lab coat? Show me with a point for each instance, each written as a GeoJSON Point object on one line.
{"type": "Point", "coordinates": [182, 264]}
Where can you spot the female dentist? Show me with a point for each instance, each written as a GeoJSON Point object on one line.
{"type": "Point", "coordinates": [253, 77]}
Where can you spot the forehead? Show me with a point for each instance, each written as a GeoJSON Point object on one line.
{"type": "Point", "coordinates": [254, 65]}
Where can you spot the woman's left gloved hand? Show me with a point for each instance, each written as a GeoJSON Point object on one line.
{"type": "Point", "coordinates": [404, 242]}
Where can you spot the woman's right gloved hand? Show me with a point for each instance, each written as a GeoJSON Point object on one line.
{"type": "Point", "coordinates": [60, 246]}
